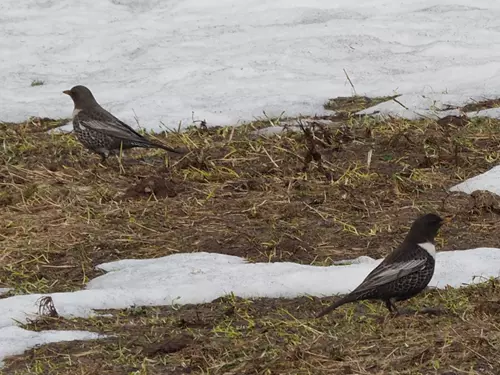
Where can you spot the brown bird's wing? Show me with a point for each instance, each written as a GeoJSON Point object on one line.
{"type": "Point", "coordinates": [102, 121]}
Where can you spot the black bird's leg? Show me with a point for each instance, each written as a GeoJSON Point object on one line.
{"type": "Point", "coordinates": [391, 306]}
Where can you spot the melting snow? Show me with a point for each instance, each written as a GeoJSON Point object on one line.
{"type": "Point", "coordinates": [227, 61]}
{"type": "Point", "coordinates": [203, 277]}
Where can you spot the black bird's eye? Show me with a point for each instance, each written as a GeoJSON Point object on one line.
{"type": "Point", "coordinates": [436, 220]}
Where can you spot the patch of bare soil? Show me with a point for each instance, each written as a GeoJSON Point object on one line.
{"type": "Point", "coordinates": [480, 105]}
{"type": "Point", "coordinates": [338, 189]}
{"type": "Point", "coordinates": [236, 336]}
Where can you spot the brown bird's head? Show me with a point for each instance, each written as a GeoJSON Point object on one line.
{"type": "Point", "coordinates": [82, 97]}
{"type": "Point", "coordinates": [426, 227]}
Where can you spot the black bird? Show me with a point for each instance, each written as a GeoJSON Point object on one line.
{"type": "Point", "coordinates": [101, 132]}
{"type": "Point", "coordinates": [402, 274]}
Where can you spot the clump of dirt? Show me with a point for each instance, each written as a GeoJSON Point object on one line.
{"type": "Point", "coordinates": [245, 185]}
{"type": "Point", "coordinates": [159, 186]}
{"type": "Point", "coordinates": [482, 104]}
{"type": "Point", "coordinates": [456, 203]}
{"type": "Point", "coordinates": [453, 120]}
{"type": "Point", "coordinates": [168, 345]}
{"type": "Point", "coordinates": [485, 201]}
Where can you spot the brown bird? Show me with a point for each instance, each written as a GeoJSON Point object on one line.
{"type": "Point", "coordinates": [101, 132]}
{"type": "Point", "coordinates": [402, 274]}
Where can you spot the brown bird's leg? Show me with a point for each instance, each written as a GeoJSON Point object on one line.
{"type": "Point", "coordinates": [104, 159]}
{"type": "Point", "coordinates": [103, 154]}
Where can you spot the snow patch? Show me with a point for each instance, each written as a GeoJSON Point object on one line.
{"type": "Point", "coordinates": [228, 61]}
{"type": "Point", "coordinates": [489, 181]}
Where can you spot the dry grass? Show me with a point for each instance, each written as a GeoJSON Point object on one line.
{"type": "Point", "coordinates": [307, 197]}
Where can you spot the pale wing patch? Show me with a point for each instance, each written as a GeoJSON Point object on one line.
{"type": "Point", "coordinates": [75, 112]}
{"type": "Point", "coordinates": [429, 247]}
{"type": "Point", "coordinates": [392, 272]}
{"type": "Point", "coordinates": [110, 128]}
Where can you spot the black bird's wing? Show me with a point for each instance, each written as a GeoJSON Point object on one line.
{"type": "Point", "coordinates": [387, 273]}
{"type": "Point", "coordinates": [396, 265]}
{"type": "Point", "coordinates": [401, 262]}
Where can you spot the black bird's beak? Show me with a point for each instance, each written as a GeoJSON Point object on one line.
{"type": "Point", "coordinates": [67, 92]}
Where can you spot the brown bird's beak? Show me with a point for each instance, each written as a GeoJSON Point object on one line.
{"type": "Point", "coordinates": [67, 92]}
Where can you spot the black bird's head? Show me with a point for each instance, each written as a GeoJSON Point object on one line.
{"type": "Point", "coordinates": [82, 97]}
{"type": "Point", "coordinates": [425, 228]}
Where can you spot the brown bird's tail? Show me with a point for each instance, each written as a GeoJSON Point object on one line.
{"type": "Point", "coordinates": [163, 147]}
{"type": "Point", "coordinates": [333, 306]}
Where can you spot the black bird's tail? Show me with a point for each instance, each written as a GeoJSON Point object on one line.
{"type": "Point", "coordinates": [333, 306]}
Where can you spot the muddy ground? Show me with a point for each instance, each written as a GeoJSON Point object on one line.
{"type": "Point", "coordinates": [346, 186]}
